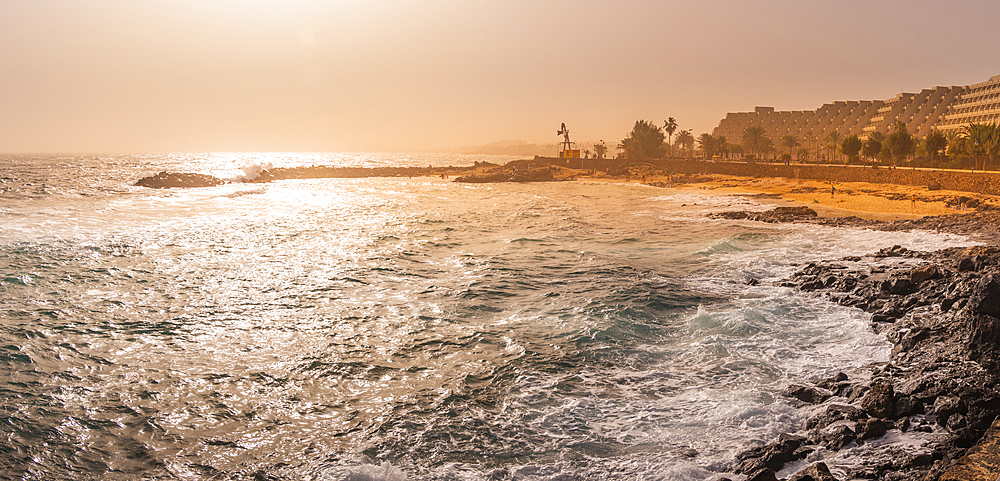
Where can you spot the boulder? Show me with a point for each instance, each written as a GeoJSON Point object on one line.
{"type": "Point", "coordinates": [832, 382]}
{"type": "Point", "coordinates": [879, 401]}
{"type": "Point", "coordinates": [872, 428]}
{"type": "Point", "coordinates": [908, 406]}
{"type": "Point", "coordinates": [945, 406]}
{"type": "Point", "coordinates": [816, 472]}
{"type": "Point", "coordinates": [762, 475]}
{"type": "Point", "coordinates": [809, 394]}
{"type": "Point", "coordinates": [986, 296]}
{"type": "Point", "coordinates": [770, 456]}
{"type": "Point", "coordinates": [924, 273]}
{"type": "Point", "coordinates": [833, 413]}
{"type": "Point", "coordinates": [838, 434]}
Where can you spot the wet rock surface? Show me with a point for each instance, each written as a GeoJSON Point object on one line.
{"type": "Point", "coordinates": [167, 180]}
{"type": "Point", "coordinates": [777, 214]}
{"type": "Point", "coordinates": [940, 311]}
{"type": "Point", "coordinates": [816, 472]}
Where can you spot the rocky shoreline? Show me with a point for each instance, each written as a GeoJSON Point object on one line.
{"type": "Point", "coordinates": [941, 312]}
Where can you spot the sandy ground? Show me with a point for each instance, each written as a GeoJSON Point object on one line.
{"type": "Point", "coordinates": [872, 201]}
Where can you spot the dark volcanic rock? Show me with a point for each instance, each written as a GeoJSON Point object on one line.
{"type": "Point", "coordinates": [166, 180]}
{"type": "Point", "coordinates": [809, 394]}
{"type": "Point", "coordinates": [924, 273]}
{"type": "Point", "coordinates": [986, 298]}
{"type": "Point", "coordinates": [837, 434]}
{"type": "Point", "coordinates": [981, 463]}
{"type": "Point", "coordinates": [833, 413]}
{"type": "Point", "coordinates": [762, 475]}
{"type": "Point", "coordinates": [941, 312]}
{"type": "Point", "coordinates": [946, 406]}
{"type": "Point", "coordinates": [777, 214]}
{"type": "Point", "coordinates": [771, 456]}
{"type": "Point", "coordinates": [872, 428]}
{"type": "Point", "coordinates": [816, 472]}
{"type": "Point", "coordinates": [880, 400]}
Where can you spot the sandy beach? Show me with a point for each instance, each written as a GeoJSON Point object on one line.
{"type": "Point", "coordinates": [870, 201]}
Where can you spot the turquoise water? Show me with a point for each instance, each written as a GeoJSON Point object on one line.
{"type": "Point", "coordinates": [394, 328]}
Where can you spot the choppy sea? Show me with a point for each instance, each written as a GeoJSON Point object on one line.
{"type": "Point", "coordinates": [398, 328]}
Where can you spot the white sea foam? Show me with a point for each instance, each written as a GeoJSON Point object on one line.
{"type": "Point", "coordinates": [251, 171]}
{"type": "Point", "coordinates": [241, 193]}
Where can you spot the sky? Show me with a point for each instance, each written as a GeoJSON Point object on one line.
{"type": "Point", "coordinates": [107, 76]}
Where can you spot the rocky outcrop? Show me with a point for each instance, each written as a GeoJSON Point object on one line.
{"type": "Point", "coordinates": [941, 312]}
{"type": "Point", "coordinates": [775, 215]}
{"type": "Point", "coordinates": [167, 180]}
{"type": "Point", "coordinates": [816, 472]}
{"type": "Point", "coordinates": [981, 462]}
{"type": "Point", "coordinates": [981, 224]}
{"type": "Point", "coordinates": [532, 175]}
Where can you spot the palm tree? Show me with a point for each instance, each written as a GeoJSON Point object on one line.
{"type": "Point", "coordinates": [755, 140]}
{"type": "Point", "coordinates": [600, 149]}
{"type": "Point", "coordinates": [807, 141]}
{"type": "Point", "coordinates": [769, 147]}
{"type": "Point", "coordinates": [956, 143]}
{"type": "Point", "coordinates": [722, 144]}
{"type": "Point", "coordinates": [669, 126]}
{"type": "Point", "coordinates": [935, 143]}
{"type": "Point", "coordinates": [899, 142]}
{"type": "Point", "coordinates": [871, 148]}
{"type": "Point", "coordinates": [982, 140]}
{"type": "Point", "coordinates": [803, 154]}
{"type": "Point", "coordinates": [789, 142]}
{"type": "Point", "coordinates": [832, 141]}
{"type": "Point", "coordinates": [686, 140]}
{"type": "Point", "coordinates": [993, 146]}
{"type": "Point", "coordinates": [707, 143]}
{"type": "Point", "coordinates": [850, 147]}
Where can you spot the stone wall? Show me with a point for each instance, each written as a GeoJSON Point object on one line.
{"type": "Point", "coordinates": [962, 181]}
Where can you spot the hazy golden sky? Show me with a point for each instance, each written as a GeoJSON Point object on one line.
{"type": "Point", "coordinates": [345, 75]}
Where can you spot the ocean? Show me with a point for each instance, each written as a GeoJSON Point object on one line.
{"type": "Point", "coordinates": [399, 328]}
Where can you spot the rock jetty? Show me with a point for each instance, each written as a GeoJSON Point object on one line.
{"type": "Point", "coordinates": [164, 180]}
{"type": "Point", "coordinates": [167, 180]}
{"type": "Point", "coordinates": [534, 175]}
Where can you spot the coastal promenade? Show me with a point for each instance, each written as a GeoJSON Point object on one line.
{"type": "Point", "coordinates": [962, 181]}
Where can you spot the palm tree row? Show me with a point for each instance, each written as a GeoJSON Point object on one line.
{"type": "Point", "coordinates": [976, 146]}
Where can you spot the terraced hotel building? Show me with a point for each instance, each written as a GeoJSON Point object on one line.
{"type": "Point", "coordinates": [941, 108]}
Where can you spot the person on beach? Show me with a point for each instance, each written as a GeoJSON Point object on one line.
{"type": "Point", "coordinates": [833, 190]}
{"type": "Point", "coordinates": [913, 201]}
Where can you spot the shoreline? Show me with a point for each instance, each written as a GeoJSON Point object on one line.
{"type": "Point", "coordinates": [942, 323]}
{"type": "Point", "coordinates": [942, 318]}
{"type": "Point", "coordinates": [873, 201]}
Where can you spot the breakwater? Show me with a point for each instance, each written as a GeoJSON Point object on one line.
{"type": "Point", "coordinates": [962, 181]}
